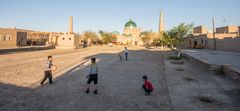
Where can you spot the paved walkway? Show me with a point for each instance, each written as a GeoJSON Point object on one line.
{"type": "Point", "coordinates": [216, 57]}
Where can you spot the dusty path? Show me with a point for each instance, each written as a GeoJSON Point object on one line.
{"type": "Point", "coordinates": [178, 87]}
{"type": "Point", "coordinates": [119, 87]}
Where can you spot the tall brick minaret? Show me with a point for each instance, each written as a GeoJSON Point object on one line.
{"type": "Point", "coordinates": [161, 22]}
{"type": "Point", "coordinates": [70, 28]}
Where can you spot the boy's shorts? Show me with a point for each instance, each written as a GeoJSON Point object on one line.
{"type": "Point", "coordinates": [92, 77]}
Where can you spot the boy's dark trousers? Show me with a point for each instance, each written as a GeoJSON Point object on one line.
{"type": "Point", "coordinates": [47, 74]}
{"type": "Point", "coordinates": [147, 91]}
{"type": "Point", "coordinates": [126, 55]}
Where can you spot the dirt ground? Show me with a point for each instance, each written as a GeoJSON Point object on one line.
{"type": "Point", "coordinates": [119, 83]}
{"type": "Point", "coordinates": [193, 87]}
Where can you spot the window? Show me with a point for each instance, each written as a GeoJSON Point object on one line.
{"type": "Point", "coordinates": [3, 37]}
{"type": "Point", "coordinates": [69, 38]}
{"type": "Point", "coordinates": [8, 37]}
{"type": "Point", "coordinates": [63, 38]}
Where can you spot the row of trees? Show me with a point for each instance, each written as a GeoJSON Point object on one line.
{"type": "Point", "coordinates": [94, 38]}
{"type": "Point", "coordinates": [172, 37]}
{"type": "Point", "coordinates": [107, 37]}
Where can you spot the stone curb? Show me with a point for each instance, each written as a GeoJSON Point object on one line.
{"type": "Point", "coordinates": [226, 69]}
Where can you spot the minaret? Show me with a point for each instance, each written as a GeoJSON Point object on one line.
{"type": "Point", "coordinates": [161, 24]}
{"type": "Point", "coordinates": [70, 28]}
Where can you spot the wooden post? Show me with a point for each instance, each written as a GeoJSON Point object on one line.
{"type": "Point", "coordinates": [214, 39]}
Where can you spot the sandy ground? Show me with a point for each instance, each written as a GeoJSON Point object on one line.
{"type": "Point", "coordinates": [119, 83]}
{"type": "Point", "coordinates": [26, 69]}
{"type": "Point", "coordinates": [193, 87]}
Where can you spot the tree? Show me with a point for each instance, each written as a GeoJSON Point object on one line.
{"type": "Point", "coordinates": [163, 39]}
{"type": "Point", "coordinates": [174, 36]}
{"type": "Point", "coordinates": [146, 37]}
{"type": "Point", "coordinates": [107, 37]}
{"type": "Point", "coordinates": [179, 32]}
{"type": "Point", "coordinates": [92, 37]}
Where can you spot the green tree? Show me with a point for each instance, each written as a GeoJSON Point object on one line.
{"type": "Point", "coordinates": [91, 36]}
{"type": "Point", "coordinates": [179, 32]}
{"type": "Point", "coordinates": [107, 37]}
{"type": "Point", "coordinates": [174, 36]}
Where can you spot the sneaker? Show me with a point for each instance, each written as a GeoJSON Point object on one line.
{"type": "Point", "coordinates": [87, 91]}
{"type": "Point", "coordinates": [95, 92]}
{"type": "Point", "coordinates": [147, 94]}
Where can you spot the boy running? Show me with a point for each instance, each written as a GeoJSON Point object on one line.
{"type": "Point", "coordinates": [48, 71]}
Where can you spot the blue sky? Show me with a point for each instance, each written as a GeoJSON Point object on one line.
{"type": "Point", "coordinates": [110, 15]}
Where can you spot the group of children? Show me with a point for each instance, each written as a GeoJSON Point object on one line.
{"type": "Point", "coordinates": [93, 76]}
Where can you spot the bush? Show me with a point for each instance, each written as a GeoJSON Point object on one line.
{"type": "Point", "coordinates": [174, 57]}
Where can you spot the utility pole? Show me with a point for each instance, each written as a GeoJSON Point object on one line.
{"type": "Point", "coordinates": [214, 39]}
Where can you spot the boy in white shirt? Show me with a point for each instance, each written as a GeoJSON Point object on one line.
{"type": "Point", "coordinates": [93, 76]}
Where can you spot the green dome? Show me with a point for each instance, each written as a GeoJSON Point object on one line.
{"type": "Point", "coordinates": [130, 23]}
{"type": "Point", "coordinates": [116, 33]}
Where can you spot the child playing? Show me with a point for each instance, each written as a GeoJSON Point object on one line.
{"type": "Point", "coordinates": [93, 76]}
{"type": "Point", "coordinates": [48, 71]}
{"type": "Point", "coordinates": [147, 86]}
{"type": "Point", "coordinates": [126, 53]}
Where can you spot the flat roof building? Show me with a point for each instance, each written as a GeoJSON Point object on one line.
{"type": "Point", "coordinates": [200, 30]}
{"type": "Point", "coordinates": [11, 37]}
{"type": "Point", "coordinates": [227, 29]}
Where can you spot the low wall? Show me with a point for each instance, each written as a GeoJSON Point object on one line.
{"type": "Point", "coordinates": [5, 51]}
{"type": "Point", "coordinates": [229, 71]}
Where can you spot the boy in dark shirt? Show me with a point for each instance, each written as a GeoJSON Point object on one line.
{"type": "Point", "coordinates": [147, 86]}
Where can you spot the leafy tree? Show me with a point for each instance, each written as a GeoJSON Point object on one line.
{"type": "Point", "coordinates": [174, 36]}
{"type": "Point", "coordinates": [107, 37]}
{"type": "Point", "coordinates": [163, 39]}
{"type": "Point", "coordinates": [180, 31]}
{"type": "Point", "coordinates": [91, 36]}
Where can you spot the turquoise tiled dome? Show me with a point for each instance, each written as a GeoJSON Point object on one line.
{"type": "Point", "coordinates": [130, 23]}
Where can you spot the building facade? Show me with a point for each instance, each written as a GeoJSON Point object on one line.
{"type": "Point", "coordinates": [225, 38]}
{"type": "Point", "coordinates": [68, 40]}
{"type": "Point", "coordinates": [12, 37]}
{"type": "Point", "coordinates": [227, 29]}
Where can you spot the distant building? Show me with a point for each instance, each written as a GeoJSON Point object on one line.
{"type": "Point", "coordinates": [226, 39]}
{"type": "Point", "coordinates": [68, 40]}
{"type": "Point", "coordinates": [227, 29]}
{"type": "Point", "coordinates": [200, 30]}
{"type": "Point", "coordinates": [37, 38]}
{"type": "Point", "coordinates": [131, 34]}
{"type": "Point", "coordinates": [161, 22]}
{"type": "Point", "coordinates": [12, 37]}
